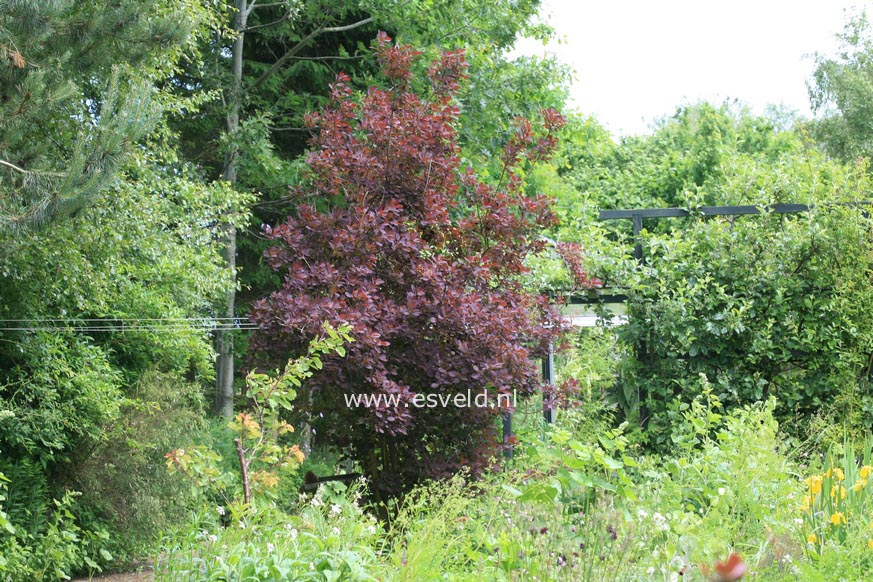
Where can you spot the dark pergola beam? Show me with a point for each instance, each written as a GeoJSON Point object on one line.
{"type": "Point", "coordinates": [636, 214]}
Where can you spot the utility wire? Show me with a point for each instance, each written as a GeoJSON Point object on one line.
{"type": "Point", "coordinates": [128, 324]}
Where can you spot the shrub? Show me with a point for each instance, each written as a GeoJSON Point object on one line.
{"type": "Point", "coordinates": [423, 260]}
{"type": "Point", "coordinates": [764, 306]}
{"type": "Point", "coordinates": [124, 484]}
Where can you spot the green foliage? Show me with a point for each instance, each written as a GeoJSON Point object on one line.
{"type": "Point", "coordinates": [76, 99]}
{"type": "Point", "coordinates": [838, 506]}
{"type": "Point", "coordinates": [258, 433]}
{"type": "Point", "coordinates": [60, 397]}
{"type": "Point", "coordinates": [124, 484]}
{"type": "Point", "coordinates": [763, 306]}
{"type": "Point", "coordinates": [577, 469]}
{"type": "Point", "coordinates": [144, 250]}
{"type": "Point", "coordinates": [329, 539]}
{"type": "Point", "coordinates": [592, 359]}
{"type": "Point", "coordinates": [53, 547]}
{"type": "Point", "coordinates": [841, 94]}
{"type": "Point", "coordinates": [727, 485]}
{"type": "Point", "coordinates": [692, 159]}
{"type": "Point", "coordinates": [768, 304]}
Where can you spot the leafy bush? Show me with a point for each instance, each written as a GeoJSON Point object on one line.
{"type": "Point", "coordinates": [259, 434]}
{"type": "Point", "coordinates": [124, 484]}
{"type": "Point", "coordinates": [764, 305]}
{"type": "Point", "coordinates": [727, 485]}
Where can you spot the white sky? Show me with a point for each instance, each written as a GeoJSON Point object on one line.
{"type": "Point", "coordinates": [636, 60]}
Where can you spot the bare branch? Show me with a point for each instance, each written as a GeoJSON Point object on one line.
{"type": "Point", "coordinates": [12, 166]}
{"type": "Point", "coordinates": [330, 58]}
{"type": "Point", "coordinates": [271, 5]}
{"type": "Point", "coordinates": [352, 26]}
{"type": "Point", "coordinates": [284, 18]}
{"type": "Point", "coordinates": [250, 7]}
{"type": "Point", "coordinates": [302, 44]}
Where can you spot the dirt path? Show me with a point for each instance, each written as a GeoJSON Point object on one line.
{"type": "Point", "coordinates": [130, 577]}
{"type": "Point", "coordinates": [144, 573]}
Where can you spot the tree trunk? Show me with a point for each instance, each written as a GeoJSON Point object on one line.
{"type": "Point", "coordinates": [233, 102]}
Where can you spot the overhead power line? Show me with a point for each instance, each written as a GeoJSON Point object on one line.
{"type": "Point", "coordinates": [118, 325]}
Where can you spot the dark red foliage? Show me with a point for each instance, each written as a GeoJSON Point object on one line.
{"type": "Point", "coordinates": [571, 254]}
{"type": "Point", "coordinates": [423, 260]}
{"type": "Point", "coordinates": [565, 395]}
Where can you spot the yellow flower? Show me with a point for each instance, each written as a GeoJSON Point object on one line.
{"type": "Point", "coordinates": [807, 501]}
{"type": "Point", "coordinates": [814, 484]}
{"type": "Point", "coordinates": [870, 543]}
{"type": "Point", "coordinates": [859, 484]}
{"type": "Point", "coordinates": [838, 473]}
{"type": "Point", "coordinates": [838, 518]}
{"type": "Point", "coordinates": [828, 473]}
{"type": "Point", "coordinates": [812, 538]}
{"type": "Point", "coordinates": [838, 490]}
{"type": "Point", "coordinates": [866, 471]}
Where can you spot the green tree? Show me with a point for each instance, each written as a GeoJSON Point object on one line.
{"type": "Point", "coordinates": [842, 95]}
{"type": "Point", "coordinates": [75, 96]}
{"type": "Point", "coordinates": [84, 393]}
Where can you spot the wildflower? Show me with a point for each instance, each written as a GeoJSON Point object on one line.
{"type": "Point", "coordinates": [293, 533]}
{"type": "Point", "coordinates": [798, 521]}
{"type": "Point", "coordinates": [837, 518]}
{"type": "Point", "coordinates": [660, 521]}
{"type": "Point", "coordinates": [336, 509]}
{"type": "Point", "coordinates": [722, 490]}
{"type": "Point", "coordinates": [838, 490]}
{"type": "Point", "coordinates": [812, 538]}
{"type": "Point", "coordinates": [866, 471]}
{"type": "Point", "coordinates": [371, 529]}
{"type": "Point", "coordinates": [241, 524]}
{"type": "Point", "coordinates": [838, 473]}
{"type": "Point", "coordinates": [859, 484]}
{"type": "Point", "coordinates": [316, 502]}
{"type": "Point", "coordinates": [212, 538]}
{"type": "Point", "coordinates": [814, 484]}
{"type": "Point", "coordinates": [270, 548]}
{"type": "Point", "coordinates": [870, 543]}
{"type": "Point", "coordinates": [220, 510]}
{"type": "Point", "coordinates": [730, 570]}
{"type": "Point", "coordinates": [642, 514]}
{"type": "Point", "coordinates": [335, 531]}
{"type": "Point", "coordinates": [650, 570]}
